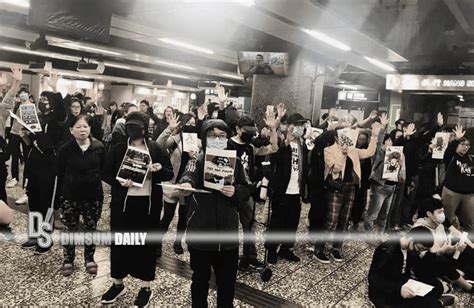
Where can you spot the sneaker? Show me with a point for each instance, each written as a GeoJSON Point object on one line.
{"type": "Point", "coordinates": [12, 183]}
{"type": "Point", "coordinates": [91, 268]}
{"type": "Point", "coordinates": [288, 255]}
{"type": "Point", "coordinates": [448, 299]}
{"type": "Point", "coordinates": [30, 244]}
{"type": "Point", "coordinates": [178, 248]}
{"type": "Point", "coordinates": [22, 200]}
{"type": "Point", "coordinates": [322, 257]}
{"type": "Point", "coordinates": [112, 294]}
{"type": "Point", "coordinates": [6, 231]}
{"type": "Point", "coordinates": [336, 255]}
{"type": "Point", "coordinates": [41, 251]}
{"type": "Point", "coordinates": [143, 298]}
{"type": "Point", "coordinates": [67, 269]}
{"type": "Point", "coordinates": [272, 257]}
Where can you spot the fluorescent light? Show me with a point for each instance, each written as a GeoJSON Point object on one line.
{"type": "Point", "coordinates": [117, 66]}
{"type": "Point", "coordinates": [174, 75]}
{"type": "Point", "coordinates": [380, 64]}
{"type": "Point", "coordinates": [186, 45]}
{"type": "Point", "coordinates": [460, 96]}
{"type": "Point", "coordinates": [243, 2]}
{"type": "Point", "coordinates": [222, 83]}
{"type": "Point", "coordinates": [20, 3]}
{"type": "Point", "coordinates": [231, 76]}
{"type": "Point", "coordinates": [93, 49]}
{"type": "Point", "coordinates": [347, 86]}
{"type": "Point", "coordinates": [327, 39]}
{"type": "Point", "coordinates": [24, 50]}
{"type": "Point", "coordinates": [175, 65]}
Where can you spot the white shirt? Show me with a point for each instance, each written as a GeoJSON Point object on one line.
{"type": "Point", "coordinates": [294, 185]}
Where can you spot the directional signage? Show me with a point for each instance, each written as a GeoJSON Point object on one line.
{"type": "Point", "coordinates": [358, 96]}
{"type": "Point", "coordinates": [430, 82]}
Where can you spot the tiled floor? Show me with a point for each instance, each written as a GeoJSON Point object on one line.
{"type": "Point", "coordinates": [26, 279]}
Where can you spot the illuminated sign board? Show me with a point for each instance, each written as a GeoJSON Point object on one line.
{"type": "Point", "coordinates": [358, 96]}
{"type": "Point", "coordinates": [430, 82]}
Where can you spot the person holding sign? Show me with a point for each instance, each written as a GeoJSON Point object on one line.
{"type": "Point", "coordinates": [214, 213]}
{"type": "Point", "coordinates": [41, 165]}
{"type": "Point", "coordinates": [133, 169]}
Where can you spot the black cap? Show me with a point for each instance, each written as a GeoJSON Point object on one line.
{"type": "Point", "coordinates": [247, 124]}
{"type": "Point", "coordinates": [137, 118]}
{"type": "Point", "coordinates": [296, 118]}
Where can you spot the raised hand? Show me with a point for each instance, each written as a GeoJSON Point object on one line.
{"type": "Point", "coordinates": [281, 110]}
{"type": "Point", "coordinates": [3, 79]}
{"type": "Point", "coordinates": [99, 111]}
{"type": "Point", "coordinates": [376, 127]}
{"type": "Point", "coordinates": [458, 132]}
{"type": "Point", "coordinates": [221, 93]}
{"type": "Point", "coordinates": [384, 119]}
{"type": "Point", "coordinates": [71, 88]}
{"type": "Point", "coordinates": [53, 81]}
{"type": "Point", "coordinates": [202, 112]}
{"type": "Point", "coordinates": [440, 119]}
{"type": "Point", "coordinates": [410, 130]}
{"type": "Point", "coordinates": [270, 120]}
{"type": "Point", "coordinates": [373, 114]}
{"type": "Point", "coordinates": [173, 122]}
{"type": "Point", "coordinates": [17, 73]}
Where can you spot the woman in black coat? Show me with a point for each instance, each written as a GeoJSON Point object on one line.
{"type": "Point", "coordinates": [81, 162]}
{"type": "Point", "coordinates": [135, 209]}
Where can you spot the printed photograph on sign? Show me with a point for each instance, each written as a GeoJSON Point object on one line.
{"type": "Point", "coordinates": [348, 136]}
{"type": "Point", "coordinates": [190, 142]}
{"type": "Point", "coordinates": [440, 144]}
{"type": "Point", "coordinates": [311, 134]}
{"type": "Point", "coordinates": [219, 168]}
{"type": "Point", "coordinates": [29, 116]}
{"type": "Point", "coordinates": [392, 163]}
{"type": "Point", "coordinates": [134, 166]}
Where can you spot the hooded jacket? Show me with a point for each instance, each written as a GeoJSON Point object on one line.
{"type": "Point", "coordinates": [80, 173]}
{"type": "Point", "coordinates": [214, 213]}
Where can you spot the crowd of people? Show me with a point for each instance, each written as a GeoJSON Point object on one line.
{"type": "Point", "coordinates": [428, 201]}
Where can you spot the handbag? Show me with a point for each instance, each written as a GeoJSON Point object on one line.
{"type": "Point", "coordinates": [332, 184]}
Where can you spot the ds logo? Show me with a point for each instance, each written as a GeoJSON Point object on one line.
{"type": "Point", "coordinates": [41, 228]}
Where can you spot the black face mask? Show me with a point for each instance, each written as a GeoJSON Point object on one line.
{"type": "Point", "coordinates": [189, 129]}
{"type": "Point", "coordinates": [247, 137]}
{"type": "Point", "coordinates": [135, 131]}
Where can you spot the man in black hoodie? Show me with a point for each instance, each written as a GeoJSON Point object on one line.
{"type": "Point", "coordinates": [212, 214]}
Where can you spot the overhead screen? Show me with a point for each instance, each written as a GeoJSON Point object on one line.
{"type": "Point", "coordinates": [79, 19]}
{"type": "Point", "coordinates": [263, 63]}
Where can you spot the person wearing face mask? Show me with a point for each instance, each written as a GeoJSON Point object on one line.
{"type": "Point", "coordinates": [41, 164]}
{"type": "Point", "coordinates": [247, 152]}
{"type": "Point", "coordinates": [287, 185]}
{"type": "Point", "coordinates": [172, 140]}
{"type": "Point", "coordinates": [342, 165]}
{"type": "Point", "coordinates": [119, 133]}
{"type": "Point", "coordinates": [440, 261]}
{"type": "Point", "coordinates": [212, 213]}
{"type": "Point", "coordinates": [80, 164]}
{"type": "Point", "coordinates": [381, 190]}
{"type": "Point", "coordinates": [458, 187]}
{"type": "Point", "coordinates": [390, 270]}
{"type": "Point", "coordinates": [134, 209]}
{"type": "Point", "coordinates": [15, 141]}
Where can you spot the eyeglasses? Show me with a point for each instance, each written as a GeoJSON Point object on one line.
{"type": "Point", "coordinates": [221, 136]}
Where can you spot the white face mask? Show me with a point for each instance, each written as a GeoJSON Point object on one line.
{"type": "Point", "coordinates": [440, 218]}
{"type": "Point", "coordinates": [24, 97]}
{"type": "Point", "coordinates": [216, 143]}
{"type": "Point", "coordinates": [298, 131]}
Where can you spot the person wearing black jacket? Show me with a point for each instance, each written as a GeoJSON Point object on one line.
{"type": "Point", "coordinates": [391, 268]}
{"type": "Point", "coordinates": [458, 190]}
{"type": "Point", "coordinates": [81, 162]}
{"type": "Point", "coordinates": [4, 157]}
{"type": "Point", "coordinates": [287, 186]}
{"type": "Point", "coordinates": [134, 208]}
{"type": "Point", "coordinates": [41, 164]}
{"type": "Point", "coordinates": [211, 214]}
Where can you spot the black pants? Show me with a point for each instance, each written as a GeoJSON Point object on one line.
{"type": "Point", "coordinates": [409, 206]}
{"type": "Point", "coordinates": [14, 146]}
{"type": "Point", "coordinates": [224, 263]}
{"type": "Point", "coordinates": [168, 215]}
{"type": "Point", "coordinates": [465, 262]}
{"type": "Point", "coordinates": [317, 215]}
{"type": "Point", "coordinates": [3, 180]}
{"type": "Point", "coordinates": [247, 219]}
{"type": "Point", "coordinates": [433, 266]}
{"type": "Point", "coordinates": [285, 218]}
{"type": "Point", "coordinates": [360, 203]}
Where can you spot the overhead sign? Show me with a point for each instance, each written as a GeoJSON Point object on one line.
{"type": "Point", "coordinates": [358, 96]}
{"type": "Point", "coordinates": [430, 82]}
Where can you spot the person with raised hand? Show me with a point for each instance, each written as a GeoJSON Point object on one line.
{"type": "Point", "coordinates": [458, 188]}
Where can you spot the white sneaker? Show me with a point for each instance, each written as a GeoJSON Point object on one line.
{"type": "Point", "coordinates": [22, 200]}
{"type": "Point", "coordinates": [12, 183]}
